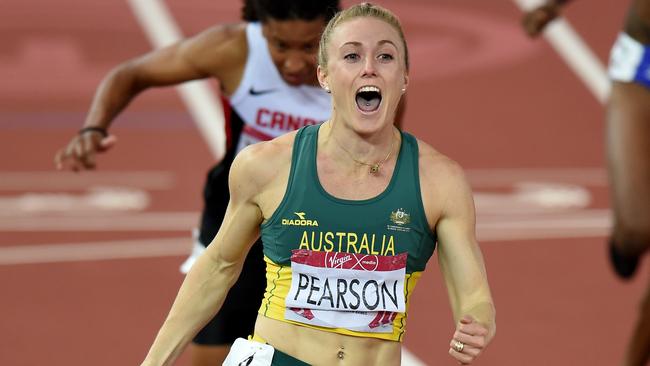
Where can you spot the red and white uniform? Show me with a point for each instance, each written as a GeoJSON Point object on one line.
{"type": "Point", "coordinates": [266, 104]}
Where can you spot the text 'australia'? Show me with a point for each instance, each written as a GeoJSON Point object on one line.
{"type": "Point", "coordinates": [329, 241]}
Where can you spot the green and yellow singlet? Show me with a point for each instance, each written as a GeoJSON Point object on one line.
{"type": "Point", "coordinates": [346, 266]}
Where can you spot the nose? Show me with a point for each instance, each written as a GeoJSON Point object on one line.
{"type": "Point", "coordinates": [294, 64]}
{"type": "Point", "coordinates": [369, 67]}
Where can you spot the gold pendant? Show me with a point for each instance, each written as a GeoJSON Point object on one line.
{"type": "Point", "coordinates": [374, 169]}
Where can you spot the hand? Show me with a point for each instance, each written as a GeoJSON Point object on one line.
{"type": "Point", "coordinates": [473, 337]}
{"type": "Point", "coordinates": [81, 150]}
{"type": "Point", "coordinates": [536, 20]}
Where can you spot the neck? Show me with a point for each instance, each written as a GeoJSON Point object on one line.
{"type": "Point", "coordinates": [362, 152]}
{"type": "Point", "coordinates": [362, 142]}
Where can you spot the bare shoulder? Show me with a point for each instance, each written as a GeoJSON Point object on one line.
{"type": "Point", "coordinates": [219, 49]}
{"type": "Point", "coordinates": [443, 185]}
{"type": "Point", "coordinates": [437, 168]}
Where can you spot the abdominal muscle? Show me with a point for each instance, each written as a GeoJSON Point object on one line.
{"type": "Point", "coordinates": [318, 347]}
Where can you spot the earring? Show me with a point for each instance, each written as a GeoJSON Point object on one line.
{"type": "Point", "coordinates": [327, 89]}
{"type": "Point", "coordinates": [403, 90]}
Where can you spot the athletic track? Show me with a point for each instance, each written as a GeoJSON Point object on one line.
{"type": "Point", "coordinates": [88, 262]}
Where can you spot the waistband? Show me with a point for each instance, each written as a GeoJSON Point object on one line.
{"type": "Point", "coordinates": [279, 358]}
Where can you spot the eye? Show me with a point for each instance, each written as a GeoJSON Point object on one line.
{"type": "Point", "coordinates": [385, 57]}
{"type": "Point", "coordinates": [309, 48]}
{"type": "Point", "coordinates": [351, 57]}
{"type": "Point", "coordinates": [281, 46]}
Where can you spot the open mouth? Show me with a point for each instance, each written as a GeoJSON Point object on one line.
{"type": "Point", "coordinates": [368, 98]}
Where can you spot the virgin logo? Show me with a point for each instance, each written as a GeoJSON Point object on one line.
{"type": "Point", "coordinates": [360, 262]}
{"type": "Point", "coordinates": [334, 262]}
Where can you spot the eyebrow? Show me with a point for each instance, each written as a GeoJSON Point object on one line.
{"type": "Point", "coordinates": [309, 41]}
{"type": "Point", "coordinates": [356, 44]}
{"type": "Point", "coordinates": [385, 41]}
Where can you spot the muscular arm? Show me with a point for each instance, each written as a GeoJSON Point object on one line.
{"type": "Point", "coordinates": [215, 52]}
{"type": "Point", "coordinates": [449, 206]}
{"type": "Point", "coordinates": [459, 255]}
{"type": "Point", "coordinates": [218, 52]}
{"type": "Point", "coordinates": [208, 282]}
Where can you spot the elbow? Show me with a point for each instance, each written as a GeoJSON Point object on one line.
{"type": "Point", "coordinates": [125, 75]}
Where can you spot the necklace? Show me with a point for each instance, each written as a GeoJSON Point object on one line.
{"type": "Point", "coordinates": [374, 168]}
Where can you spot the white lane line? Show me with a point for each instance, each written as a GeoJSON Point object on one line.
{"type": "Point", "coordinates": [500, 177]}
{"type": "Point", "coordinates": [581, 224]}
{"type": "Point", "coordinates": [145, 221]}
{"type": "Point", "coordinates": [579, 57]}
{"type": "Point", "coordinates": [199, 98]}
{"type": "Point", "coordinates": [91, 251]}
{"type": "Point", "coordinates": [514, 234]}
{"type": "Point", "coordinates": [533, 198]}
{"type": "Point", "coordinates": [575, 52]}
{"type": "Point", "coordinates": [545, 217]}
{"type": "Point", "coordinates": [56, 181]}
{"type": "Point", "coordinates": [94, 199]}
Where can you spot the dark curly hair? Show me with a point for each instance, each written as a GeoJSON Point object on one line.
{"type": "Point", "coordinates": [261, 10]}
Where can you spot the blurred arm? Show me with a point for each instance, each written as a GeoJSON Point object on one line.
{"type": "Point", "coordinates": [218, 52]}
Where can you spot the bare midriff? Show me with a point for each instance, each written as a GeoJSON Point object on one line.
{"type": "Point", "coordinates": [319, 347]}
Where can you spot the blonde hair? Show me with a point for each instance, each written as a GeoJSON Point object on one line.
{"type": "Point", "coordinates": [357, 11]}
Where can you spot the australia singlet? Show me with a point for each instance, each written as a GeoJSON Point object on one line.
{"type": "Point", "coordinates": [267, 106]}
{"type": "Point", "coordinates": [346, 266]}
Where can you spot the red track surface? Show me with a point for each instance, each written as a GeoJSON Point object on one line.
{"type": "Point", "coordinates": [480, 92]}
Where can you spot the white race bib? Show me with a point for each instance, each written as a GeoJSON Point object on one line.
{"type": "Point", "coordinates": [359, 292]}
{"type": "Point", "coordinates": [249, 353]}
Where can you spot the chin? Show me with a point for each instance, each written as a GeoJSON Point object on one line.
{"type": "Point", "coordinates": [294, 80]}
{"type": "Point", "coordinates": [294, 83]}
{"type": "Point", "coordinates": [367, 123]}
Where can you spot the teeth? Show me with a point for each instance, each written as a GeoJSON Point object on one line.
{"type": "Point", "coordinates": [369, 88]}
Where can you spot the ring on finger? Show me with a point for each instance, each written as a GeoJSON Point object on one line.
{"type": "Point", "coordinates": [458, 346]}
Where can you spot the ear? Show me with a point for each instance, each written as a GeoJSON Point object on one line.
{"type": "Point", "coordinates": [322, 77]}
{"type": "Point", "coordinates": [406, 83]}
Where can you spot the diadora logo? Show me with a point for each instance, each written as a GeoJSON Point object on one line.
{"type": "Point", "coordinates": [300, 221]}
{"type": "Point", "coordinates": [400, 217]}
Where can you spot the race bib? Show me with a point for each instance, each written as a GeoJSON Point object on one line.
{"type": "Point", "coordinates": [359, 292]}
{"type": "Point", "coordinates": [245, 352]}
